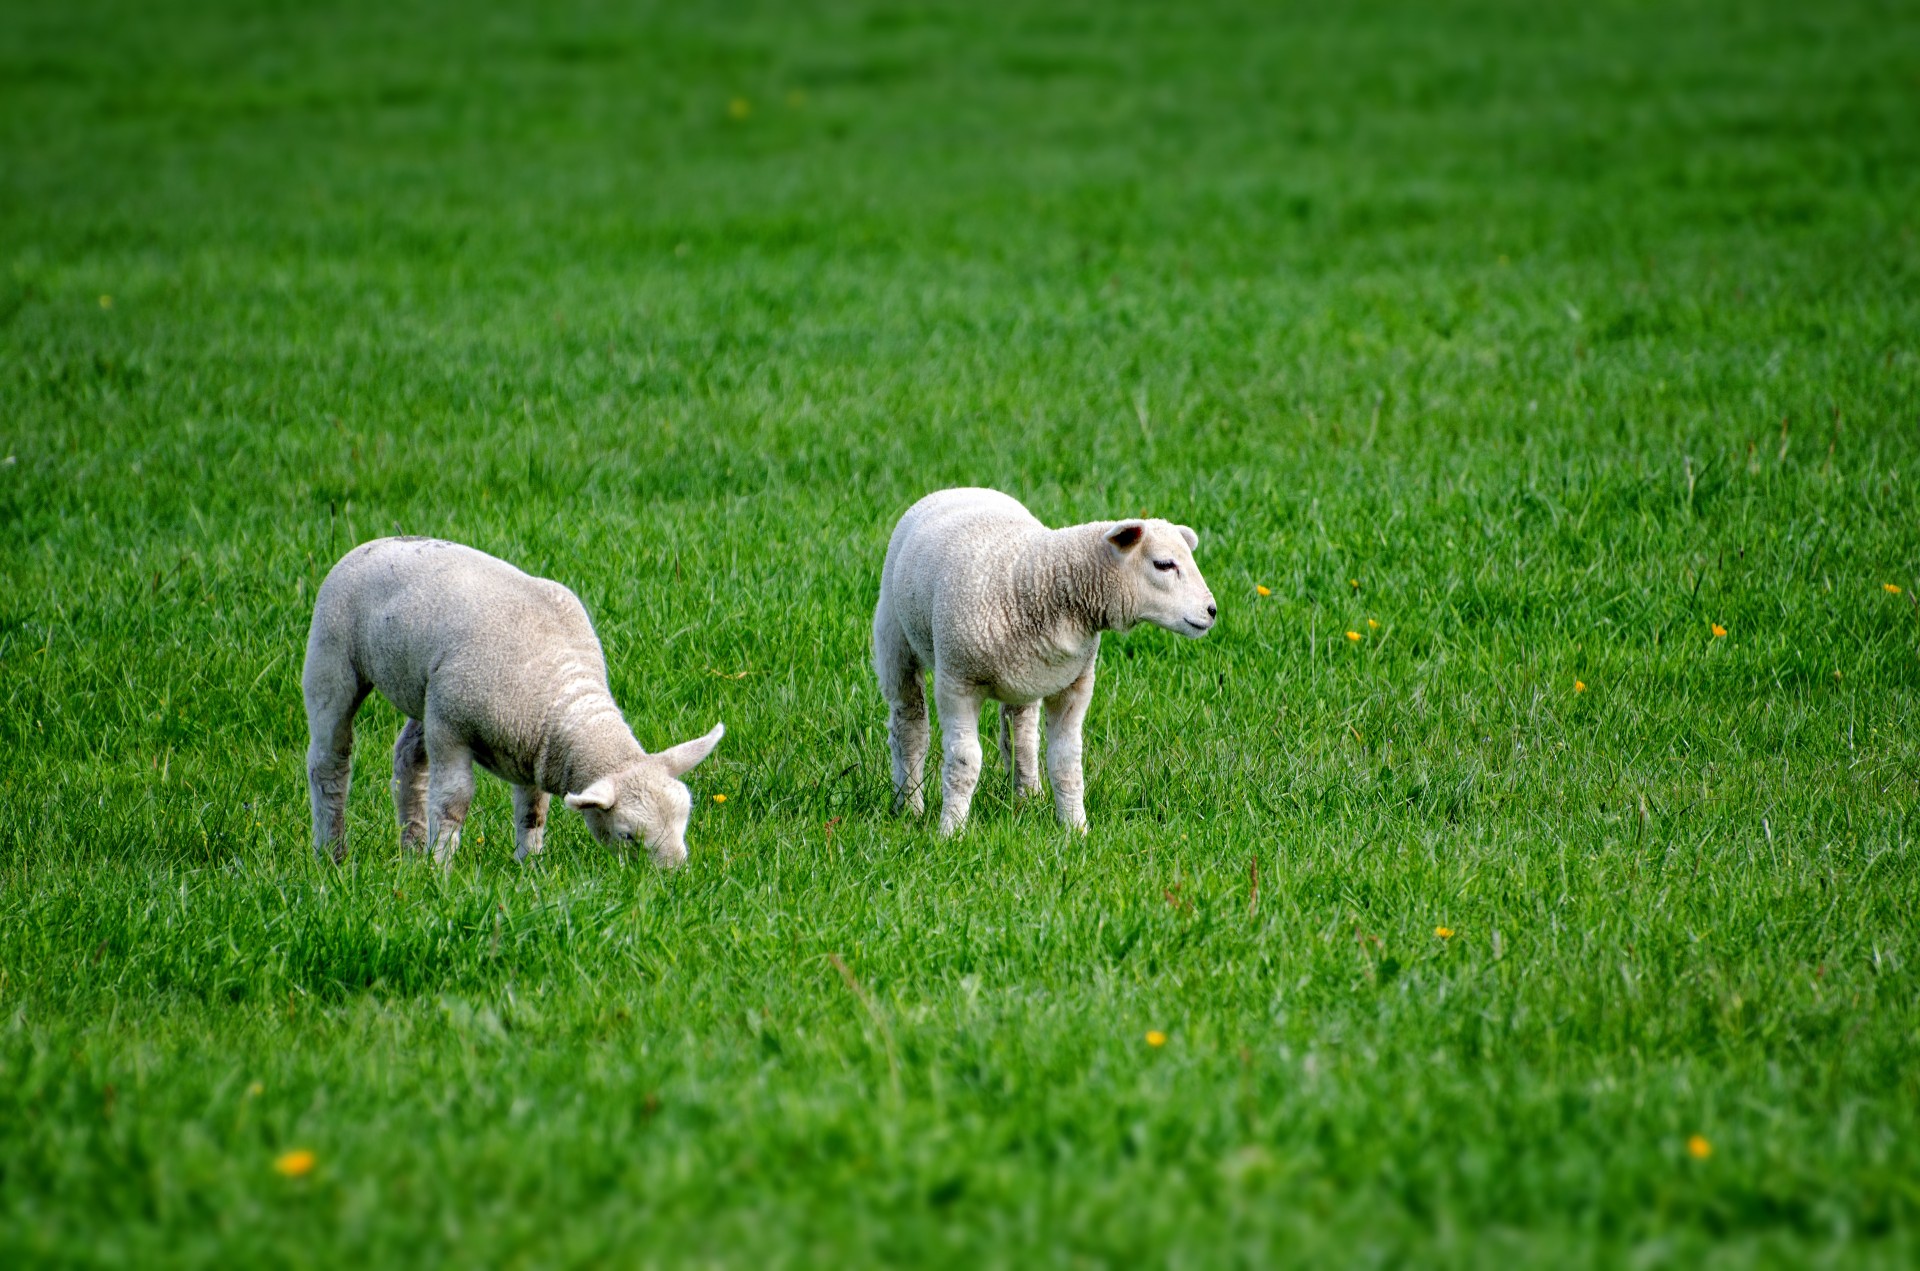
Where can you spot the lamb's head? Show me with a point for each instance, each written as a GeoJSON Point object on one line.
{"type": "Point", "coordinates": [647, 802]}
{"type": "Point", "coordinates": [1156, 562]}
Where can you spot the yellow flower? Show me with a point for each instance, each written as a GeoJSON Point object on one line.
{"type": "Point", "coordinates": [106, 302]}
{"type": "Point", "coordinates": [1156, 1038]}
{"type": "Point", "coordinates": [1374, 623]}
{"type": "Point", "coordinates": [1698, 1147]}
{"type": "Point", "coordinates": [739, 108]}
{"type": "Point", "coordinates": [1354, 583]}
{"type": "Point", "coordinates": [719, 798]}
{"type": "Point", "coordinates": [1445, 933]}
{"type": "Point", "coordinates": [295, 1164]}
{"type": "Point", "coordinates": [1893, 589]}
{"type": "Point", "coordinates": [1718, 631]}
{"type": "Point", "coordinates": [255, 1090]}
{"type": "Point", "coordinates": [1579, 686]}
{"type": "Point", "coordinates": [1353, 635]}
{"type": "Point", "coordinates": [1259, 590]}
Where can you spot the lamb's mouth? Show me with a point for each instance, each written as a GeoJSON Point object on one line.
{"type": "Point", "coordinates": [1199, 626]}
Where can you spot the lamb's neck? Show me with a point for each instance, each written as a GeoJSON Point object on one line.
{"type": "Point", "coordinates": [599, 749]}
{"type": "Point", "coordinates": [1074, 576]}
{"type": "Point", "coordinates": [587, 738]}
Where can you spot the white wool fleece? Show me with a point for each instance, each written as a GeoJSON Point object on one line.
{"type": "Point", "coordinates": [490, 666]}
{"type": "Point", "coordinates": [996, 605]}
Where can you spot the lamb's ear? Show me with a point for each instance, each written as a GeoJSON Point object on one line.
{"type": "Point", "coordinates": [1126, 535]}
{"type": "Point", "coordinates": [600, 794]}
{"type": "Point", "coordinates": [682, 758]}
{"type": "Point", "coordinates": [1193, 540]}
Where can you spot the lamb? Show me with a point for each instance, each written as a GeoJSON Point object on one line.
{"type": "Point", "coordinates": [997, 605]}
{"type": "Point", "coordinates": [490, 666]}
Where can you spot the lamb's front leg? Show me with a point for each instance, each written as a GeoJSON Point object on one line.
{"type": "Point", "coordinates": [449, 793]}
{"type": "Point", "coordinates": [1066, 711]}
{"type": "Point", "coordinates": [529, 821]}
{"type": "Point", "coordinates": [959, 707]}
{"type": "Point", "coordinates": [1020, 746]}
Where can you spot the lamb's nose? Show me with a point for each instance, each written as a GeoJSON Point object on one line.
{"type": "Point", "coordinates": [1213, 611]}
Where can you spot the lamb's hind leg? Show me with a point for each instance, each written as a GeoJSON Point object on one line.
{"type": "Point", "coordinates": [410, 786]}
{"type": "Point", "coordinates": [1020, 746]}
{"type": "Point", "coordinates": [333, 692]}
{"type": "Point", "coordinates": [959, 706]}
{"type": "Point", "coordinates": [902, 683]}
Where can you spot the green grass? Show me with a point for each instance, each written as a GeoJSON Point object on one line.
{"type": "Point", "coordinates": [1545, 339]}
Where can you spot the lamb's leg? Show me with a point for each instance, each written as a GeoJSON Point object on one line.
{"type": "Point", "coordinates": [1020, 746]}
{"type": "Point", "coordinates": [529, 821]}
{"type": "Point", "coordinates": [908, 733]}
{"type": "Point", "coordinates": [959, 707]}
{"type": "Point", "coordinates": [410, 786]}
{"type": "Point", "coordinates": [449, 792]}
{"type": "Point", "coordinates": [334, 692]}
{"type": "Point", "coordinates": [1066, 711]}
{"type": "Point", "coordinates": [910, 736]}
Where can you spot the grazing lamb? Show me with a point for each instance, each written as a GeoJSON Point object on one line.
{"type": "Point", "coordinates": [490, 666]}
{"type": "Point", "coordinates": [998, 606]}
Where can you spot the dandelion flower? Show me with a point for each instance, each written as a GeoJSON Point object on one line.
{"type": "Point", "coordinates": [1445, 933]}
{"type": "Point", "coordinates": [1893, 589]}
{"type": "Point", "coordinates": [739, 108]}
{"type": "Point", "coordinates": [1262, 591]}
{"type": "Point", "coordinates": [1373, 623]}
{"type": "Point", "coordinates": [1718, 631]}
{"type": "Point", "coordinates": [295, 1164]}
{"type": "Point", "coordinates": [1354, 583]}
{"type": "Point", "coordinates": [1156, 1038]}
{"type": "Point", "coordinates": [1579, 686]}
{"type": "Point", "coordinates": [106, 302]}
{"type": "Point", "coordinates": [1353, 635]}
{"type": "Point", "coordinates": [255, 1090]}
{"type": "Point", "coordinates": [719, 798]}
{"type": "Point", "coordinates": [1698, 1147]}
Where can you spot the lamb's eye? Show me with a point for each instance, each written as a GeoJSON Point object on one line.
{"type": "Point", "coordinates": [1164, 565]}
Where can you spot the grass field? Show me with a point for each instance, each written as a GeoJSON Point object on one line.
{"type": "Point", "coordinates": [1502, 356]}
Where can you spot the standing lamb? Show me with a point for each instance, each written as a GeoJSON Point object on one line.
{"type": "Point", "coordinates": [490, 666]}
{"type": "Point", "coordinates": [997, 605]}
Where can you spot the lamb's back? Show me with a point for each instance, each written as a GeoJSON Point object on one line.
{"type": "Point", "coordinates": [415, 609]}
